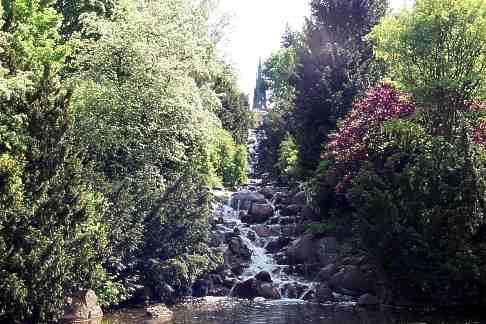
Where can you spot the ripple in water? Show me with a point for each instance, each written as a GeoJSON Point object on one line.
{"type": "Point", "coordinates": [213, 310]}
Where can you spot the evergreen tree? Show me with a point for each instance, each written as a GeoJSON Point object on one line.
{"type": "Point", "coordinates": [50, 236]}
{"type": "Point", "coordinates": [332, 69]}
{"type": "Point", "coordinates": [260, 92]}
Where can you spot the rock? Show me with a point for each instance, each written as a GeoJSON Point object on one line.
{"type": "Point", "coordinates": [238, 269]}
{"type": "Point", "coordinates": [290, 210]}
{"type": "Point", "coordinates": [247, 289]}
{"type": "Point", "coordinates": [159, 312]}
{"type": "Point", "coordinates": [239, 248]}
{"type": "Point", "coordinates": [82, 307]}
{"type": "Point", "coordinates": [293, 290]}
{"type": "Point", "coordinates": [300, 198]}
{"type": "Point", "coordinates": [216, 279]}
{"type": "Point", "coordinates": [323, 293]}
{"type": "Point", "coordinates": [282, 198]}
{"type": "Point", "coordinates": [201, 288]}
{"type": "Point", "coordinates": [263, 230]}
{"type": "Point", "coordinates": [258, 300]}
{"type": "Point", "coordinates": [303, 250]}
{"type": "Point", "coordinates": [309, 295]}
{"type": "Point", "coordinates": [259, 213]}
{"type": "Point", "coordinates": [351, 281]}
{"type": "Point", "coordinates": [268, 291]}
{"type": "Point", "coordinates": [251, 236]}
{"type": "Point", "coordinates": [277, 244]}
{"type": "Point", "coordinates": [305, 269]}
{"type": "Point", "coordinates": [327, 250]}
{"type": "Point", "coordinates": [263, 276]}
{"type": "Point", "coordinates": [281, 258]}
{"type": "Point", "coordinates": [244, 199]}
{"type": "Point", "coordinates": [230, 282]}
{"type": "Point", "coordinates": [368, 300]}
{"type": "Point", "coordinates": [326, 273]}
{"type": "Point", "coordinates": [267, 192]}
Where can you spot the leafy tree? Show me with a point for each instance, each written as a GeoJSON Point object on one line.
{"type": "Point", "coordinates": [437, 52]}
{"type": "Point", "coordinates": [74, 11]}
{"type": "Point", "coordinates": [234, 112]}
{"type": "Point", "coordinates": [50, 235]}
{"type": "Point", "coordinates": [288, 160]}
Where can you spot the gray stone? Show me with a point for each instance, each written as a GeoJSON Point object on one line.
{"type": "Point", "coordinates": [277, 244]}
{"type": "Point", "coordinates": [268, 291]}
{"type": "Point", "coordinates": [351, 281]}
{"type": "Point", "coordinates": [245, 198]}
{"type": "Point", "coordinates": [368, 300]}
{"type": "Point", "coordinates": [83, 307]}
{"type": "Point", "coordinates": [263, 276]}
{"type": "Point", "coordinates": [159, 312]}
{"type": "Point", "coordinates": [323, 294]}
{"type": "Point", "coordinates": [326, 273]}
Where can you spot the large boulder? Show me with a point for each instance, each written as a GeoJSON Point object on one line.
{"type": "Point", "coordinates": [324, 294]}
{"type": "Point", "coordinates": [326, 273]}
{"type": "Point", "coordinates": [82, 307]}
{"type": "Point", "coordinates": [303, 250]}
{"type": "Point", "coordinates": [293, 290]}
{"type": "Point", "coordinates": [263, 276]}
{"type": "Point", "coordinates": [352, 281]}
{"type": "Point", "coordinates": [283, 199]}
{"type": "Point", "coordinates": [277, 244]}
{"type": "Point", "coordinates": [290, 210]}
{"type": "Point", "coordinates": [263, 230]}
{"type": "Point", "coordinates": [268, 291]}
{"type": "Point", "coordinates": [327, 250]}
{"type": "Point", "coordinates": [246, 289]}
{"type": "Point", "coordinates": [239, 248]}
{"type": "Point", "coordinates": [367, 300]}
{"type": "Point", "coordinates": [258, 213]}
{"type": "Point", "coordinates": [268, 192]}
{"type": "Point", "coordinates": [243, 200]}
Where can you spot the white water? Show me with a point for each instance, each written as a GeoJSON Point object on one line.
{"type": "Point", "coordinates": [261, 259]}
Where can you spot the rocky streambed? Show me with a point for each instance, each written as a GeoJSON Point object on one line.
{"type": "Point", "coordinates": [269, 254]}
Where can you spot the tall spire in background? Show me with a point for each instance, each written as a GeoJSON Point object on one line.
{"type": "Point", "coordinates": [260, 92]}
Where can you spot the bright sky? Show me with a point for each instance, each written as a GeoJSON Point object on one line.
{"type": "Point", "coordinates": [256, 29]}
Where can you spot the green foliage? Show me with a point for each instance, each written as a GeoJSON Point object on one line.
{"type": "Point", "coordinates": [75, 11]}
{"type": "Point", "coordinates": [234, 112]}
{"type": "Point", "coordinates": [288, 160]}
{"type": "Point", "coordinates": [413, 213]}
{"type": "Point", "coordinates": [332, 69]}
{"type": "Point", "coordinates": [279, 71]}
{"type": "Point", "coordinates": [325, 228]}
{"type": "Point", "coordinates": [50, 234]}
{"type": "Point", "coordinates": [437, 51]}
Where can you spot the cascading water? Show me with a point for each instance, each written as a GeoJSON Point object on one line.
{"type": "Point", "coordinates": [257, 237]}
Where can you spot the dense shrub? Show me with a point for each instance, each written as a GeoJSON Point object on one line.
{"type": "Point", "coordinates": [413, 212]}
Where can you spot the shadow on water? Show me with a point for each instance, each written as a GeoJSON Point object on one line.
{"type": "Point", "coordinates": [231, 311]}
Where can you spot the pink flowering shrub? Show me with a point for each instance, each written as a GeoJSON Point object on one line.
{"type": "Point", "coordinates": [348, 147]}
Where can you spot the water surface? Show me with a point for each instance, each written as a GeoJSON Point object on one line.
{"type": "Point", "coordinates": [232, 311]}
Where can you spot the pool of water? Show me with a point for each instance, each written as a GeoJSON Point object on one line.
{"type": "Point", "coordinates": [232, 311]}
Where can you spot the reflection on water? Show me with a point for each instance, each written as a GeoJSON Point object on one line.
{"type": "Point", "coordinates": [231, 311]}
